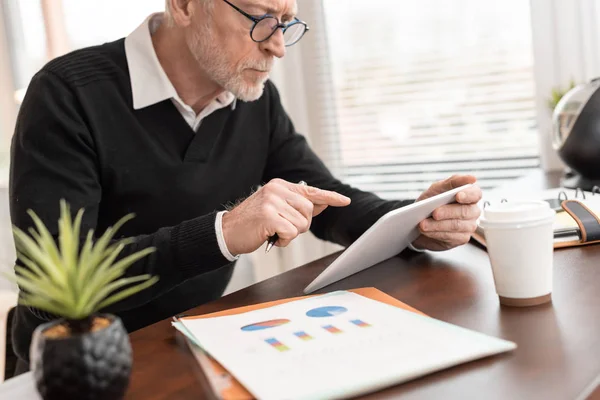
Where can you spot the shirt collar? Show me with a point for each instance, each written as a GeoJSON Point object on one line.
{"type": "Point", "coordinates": [149, 82]}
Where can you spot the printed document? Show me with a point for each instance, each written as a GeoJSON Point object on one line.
{"type": "Point", "coordinates": [334, 345]}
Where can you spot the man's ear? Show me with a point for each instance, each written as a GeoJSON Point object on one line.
{"type": "Point", "coordinates": [182, 11]}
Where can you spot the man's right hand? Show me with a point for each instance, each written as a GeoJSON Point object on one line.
{"type": "Point", "coordinates": [278, 207]}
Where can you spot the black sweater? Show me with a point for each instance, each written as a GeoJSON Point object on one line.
{"type": "Point", "coordinates": [78, 137]}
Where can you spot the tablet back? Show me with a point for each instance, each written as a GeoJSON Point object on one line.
{"type": "Point", "coordinates": [384, 239]}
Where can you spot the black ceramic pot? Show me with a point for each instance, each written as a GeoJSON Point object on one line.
{"type": "Point", "coordinates": [93, 365]}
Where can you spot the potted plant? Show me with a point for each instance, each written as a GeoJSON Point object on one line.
{"type": "Point", "coordinates": [84, 354]}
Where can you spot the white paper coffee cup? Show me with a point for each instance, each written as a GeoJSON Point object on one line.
{"type": "Point", "coordinates": [519, 238]}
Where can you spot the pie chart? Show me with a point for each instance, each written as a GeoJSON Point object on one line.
{"type": "Point", "coordinates": [259, 326]}
{"type": "Point", "coordinates": [328, 311]}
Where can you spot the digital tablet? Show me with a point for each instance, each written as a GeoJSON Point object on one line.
{"type": "Point", "coordinates": [391, 234]}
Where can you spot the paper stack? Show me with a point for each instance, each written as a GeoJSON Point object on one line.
{"type": "Point", "coordinates": [327, 346]}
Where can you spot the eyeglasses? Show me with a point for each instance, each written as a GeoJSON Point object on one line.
{"type": "Point", "coordinates": [264, 27]}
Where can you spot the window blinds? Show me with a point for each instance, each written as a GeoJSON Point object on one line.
{"type": "Point", "coordinates": [414, 91]}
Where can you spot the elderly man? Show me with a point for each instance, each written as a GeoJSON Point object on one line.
{"type": "Point", "coordinates": [173, 123]}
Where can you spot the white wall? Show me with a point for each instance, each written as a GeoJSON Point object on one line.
{"type": "Point", "coordinates": [7, 121]}
{"type": "Point", "coordinates": [7, 250]}
{"type": "Point", "coordinates": [8, 107]}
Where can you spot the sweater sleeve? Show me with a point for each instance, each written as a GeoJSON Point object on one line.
{"type": "Point", "coordinates": [291, 158]}
{"type": "Point", "coordinates": [53, 157]}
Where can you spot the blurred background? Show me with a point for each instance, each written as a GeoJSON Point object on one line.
{"type": "Point", "coordinates": [392, 94]}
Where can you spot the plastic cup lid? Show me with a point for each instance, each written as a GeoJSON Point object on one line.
{"type": "Point", "coordinates": [516, 212]}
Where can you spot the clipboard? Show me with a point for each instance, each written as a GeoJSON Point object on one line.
{"type": "Point", "coordinates": [386, 238]}
{"type": "Point", "coordinates": [223, 384]}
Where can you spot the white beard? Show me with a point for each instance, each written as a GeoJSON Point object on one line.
{"type": "Point", "coordinates": [213, 60]}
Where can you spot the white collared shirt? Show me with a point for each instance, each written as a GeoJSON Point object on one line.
{"type": "Point", "coordinates": [151, 85]}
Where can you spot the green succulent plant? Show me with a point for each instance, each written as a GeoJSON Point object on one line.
{"type": "Point", "coordinates": [70, 280]}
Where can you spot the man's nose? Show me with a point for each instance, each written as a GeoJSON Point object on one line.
{"type": "Point", "coordinates": [275, 45]}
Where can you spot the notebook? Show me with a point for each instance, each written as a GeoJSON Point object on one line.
{"type": "Point", "coordinates": [329, 346]}
{"type": "Point", "coordinates": [569, 229]}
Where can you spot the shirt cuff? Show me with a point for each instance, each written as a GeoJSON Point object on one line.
{"type": "Point", "coordinates": [221, 238]}
{"type": "Point", "coordinates": [413, 248]}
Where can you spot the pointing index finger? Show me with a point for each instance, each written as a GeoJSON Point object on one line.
{"type": "Point", "coordinates": [320, 196]}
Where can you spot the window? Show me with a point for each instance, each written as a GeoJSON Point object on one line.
{"type": "Point", "coordinates": [90, 23]}
{"type": "Point", "coordinates": [26, 39]}
{"type": "Point", "coordinates": [423, 89]}
{"type": "Point", "coordinates": [35, 31]}
{"type": "Point", "coordinates": [77, 23]}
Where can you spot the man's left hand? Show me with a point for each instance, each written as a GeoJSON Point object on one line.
{"type": "Point", "coordinates": [450, 225]}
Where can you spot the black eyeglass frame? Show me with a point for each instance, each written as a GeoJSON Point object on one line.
{"type": "Point", "coordinates": [284, 27]}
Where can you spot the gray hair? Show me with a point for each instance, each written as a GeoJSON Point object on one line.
{"type": "Point", "coordinates": [169, 16]}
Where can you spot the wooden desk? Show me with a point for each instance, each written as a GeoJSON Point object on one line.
{"type": "Point", "coordinates": [559, 344]}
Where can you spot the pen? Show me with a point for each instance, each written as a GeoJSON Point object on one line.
{"type": "Point", "coordinates": [273, 239]}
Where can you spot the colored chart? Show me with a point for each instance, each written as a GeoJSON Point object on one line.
{"type": "Point", "coordinates": [277, 344]}
{"type": "Point", "coordinates": [259, 326]}
{"type": "Point", "coordinates": [329, 311]}
{"type": "Point", "coordinates": [332, 329]}
{"type": "Point", "coordinates": [360, 323]}
{"type": "Point", "coordinates": [303, 335]}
